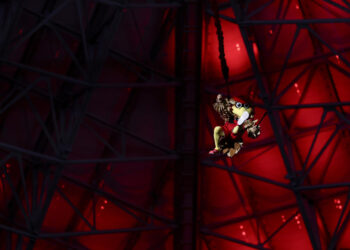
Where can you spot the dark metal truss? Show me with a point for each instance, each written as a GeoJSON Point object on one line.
{"type": "Point", "coordinates": [296, 181]}
{"type": "Point", "coordinates": [83, 75]}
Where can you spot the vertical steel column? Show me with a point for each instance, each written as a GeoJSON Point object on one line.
{"type": "Point", "coordinates": [188, 67]}
{"type": "Point", "coordinates": [9, 14]}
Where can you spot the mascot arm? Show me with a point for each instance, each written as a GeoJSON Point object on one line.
{"type": "Point", "coordinates": [235, 129]}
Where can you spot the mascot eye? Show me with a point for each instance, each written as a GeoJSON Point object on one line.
{"type": "Point", "coordinates": [238, 105]}
{"type": "Point", "coordinates": [246, 105]}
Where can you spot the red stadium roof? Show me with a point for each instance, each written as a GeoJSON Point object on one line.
{"type": "Point", "coordinates": [107, 120]}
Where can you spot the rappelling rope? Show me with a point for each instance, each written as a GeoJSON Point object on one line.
{"type": "Point", "coordinates": [262, 118]}
{"type": "Point", "coordinates": [220, 35]}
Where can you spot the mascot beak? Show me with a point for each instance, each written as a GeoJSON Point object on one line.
{"type": "Point", "coordinates": [243, 117]}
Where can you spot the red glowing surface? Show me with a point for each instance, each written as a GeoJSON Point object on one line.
{"type": "Point", "coordinates": [231, 197]}
{"type": "Point", "coordinates": [233, 205]}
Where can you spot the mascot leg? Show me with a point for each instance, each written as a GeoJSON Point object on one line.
{"type": "Point", "coordinates": [231, 151]}
{"type": "Point", "coordinates": [218, 134]}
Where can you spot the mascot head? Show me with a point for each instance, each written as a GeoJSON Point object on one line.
{"type": "Point", "coordinates": [241, 110]}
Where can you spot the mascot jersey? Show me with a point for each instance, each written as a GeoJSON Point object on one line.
{"type": "Point", "coordinates": [228, 128]}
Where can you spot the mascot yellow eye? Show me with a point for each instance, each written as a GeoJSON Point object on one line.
{"type": "Point", "coordinates": [238, 105]}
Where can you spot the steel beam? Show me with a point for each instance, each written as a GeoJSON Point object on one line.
{"type": "Point", "coordinates": [99, 232]}
{"type": "Point", "coordinates": [313, 60]}
{"type": "Point", "coordinates": [302, 106]}
{"type": "Point", "coordinates": [305, 207]}
{"type": "Point", "coordinates": [238, 241]}
{"type": "Point", "coordinates": [283, 21]}
{"type": "Point", "coordinates": [173, 4]}
{"type": "Point", "coordinates": [233, 169]}
{"type": "Point", "coordinates": [188, 36]}
{"type": "Point", "coordinates": [9, 14]}
{"type": "Point", "coordinates": [118, 201]}
{"type": "Point", "coordinates": [99, 36]}
{"type": "Point", "coordinates": [280, 227]}
{"type": "Point", "coordinates": [89, 83]}
{"type": "Point", "coordinates": [118, 55]}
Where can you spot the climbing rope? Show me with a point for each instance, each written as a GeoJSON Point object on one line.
{"type": "Point", "coordinates": [220, 35]}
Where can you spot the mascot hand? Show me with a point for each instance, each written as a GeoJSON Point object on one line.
{"type": "Point", "coordinates": [253, 130]}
